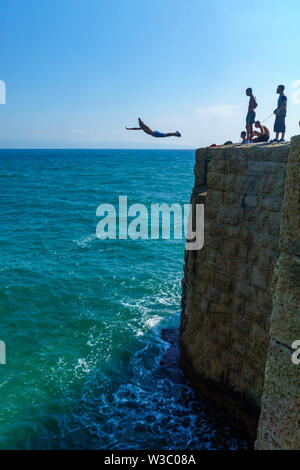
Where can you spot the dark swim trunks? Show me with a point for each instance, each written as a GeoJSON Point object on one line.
{"type": "Point", "coordinates": [279, 125]}
{"type": "Point", "coordinates": [250, 118]}
{"type": "Point", "coordinates": [262, 138]}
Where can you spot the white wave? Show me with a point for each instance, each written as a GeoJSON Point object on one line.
{"type": "Point", "coordinates": [153, 321]}
{"type": "Point", "coordinates": [85, 241]}
{"type": "Point", "coordinates": [83, 366]}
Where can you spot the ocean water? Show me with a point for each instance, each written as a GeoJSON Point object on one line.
{"type": "Point", "coordinates": [82, 317]}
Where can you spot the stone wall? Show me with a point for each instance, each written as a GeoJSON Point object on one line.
{"type": "Point", "coordinates": [227, 300]}
{"type": "Point", "coordinates": [279, 424]}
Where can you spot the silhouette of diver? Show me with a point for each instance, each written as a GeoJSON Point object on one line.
{"type": "Point", "coordinates": [149, 131]}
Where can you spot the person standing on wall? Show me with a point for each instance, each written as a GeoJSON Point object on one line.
{"type": "Point", "coordinates": [250, 118]}
{"type": "Point", "coordinates": [280, 113]}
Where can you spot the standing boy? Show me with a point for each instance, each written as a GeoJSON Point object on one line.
{"type": "Point", "coordinates": [280, 113]}
{"type": "Point", "coordinates": [250, 118]}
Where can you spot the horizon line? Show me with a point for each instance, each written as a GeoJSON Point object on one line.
{"type": "Point", "coordinates": [92, 148]}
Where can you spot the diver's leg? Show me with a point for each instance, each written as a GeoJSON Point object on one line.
{"type": "Point", "coordinates": [248, 131]}
{"type": "Point", "coordinates": [251, 131]}
{"type": "Point", "coordinates": [166, 134]}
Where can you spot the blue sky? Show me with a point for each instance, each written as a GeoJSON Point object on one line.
{"type": "Point", "coordinates": [78, 71]}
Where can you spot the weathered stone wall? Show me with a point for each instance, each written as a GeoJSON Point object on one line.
{"type": "Point", "coordinates": [279, 424]}
{"type": "Point", "coordinates": [227, 300]}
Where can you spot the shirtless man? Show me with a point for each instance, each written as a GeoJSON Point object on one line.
{"type": "Point", "coordinates": [250, 118]}
{"type": "Point", "coordinates": [280, 113]}
{"type": "Point", "coordinates": [149, 131]}
{"type": "Point", "coordinates": [263, 135]}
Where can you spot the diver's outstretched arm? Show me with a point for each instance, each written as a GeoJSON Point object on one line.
{"type": "Point", "coordinates": [133, 128]}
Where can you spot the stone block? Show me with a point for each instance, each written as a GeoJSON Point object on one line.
{"type": "Point", "coordinates": [257, 313]}
{"type": "Point", "coordinates": [238, 306]}
{"type": "Point", "coordinates": [210, 212]}
{"type": "Point", "coordinates": [259, 277]}
{"type": "Point", "coordinates": [285, 326]}
{"type": "Point", "coordinates": [272, 184]}
{"type": "Point", "coordinates": [230, 247]}
{"type": "Point", "coordinates": [228, 182]}
{"type": "Point", "coordinates": [238, 166]}
{"type": "Point", "coordinates": [221, 166]}
{"type": "Point", "coordinates": [271, 203]}
{"type": "Point", "coordinates": [224, 283]}
{"type": "Point", "coordinates": [213, 180]}
{"type": "Point", "coordinates": [201, 154]}
{"type": "Point", "coordinates": [242, 251]}
{"type": "Point", "coordinates": [248, 183]}
{"type": "Point", "coordinates": [279, 420]}
{"type": "Point", "coordinates": [264, 168]}
{"type": "Point", "coordinates": [229, 215]}
{"type": "Point", "coordinates": [231, 197]}
{"type": "Point", "coordinates": [215, 196]}
{"type": "Point", "coordinates": [245, 290]}
{"type": "Point", "coordinates": [250, 201]}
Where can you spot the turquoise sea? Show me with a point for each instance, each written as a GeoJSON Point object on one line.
{"type": "Point", "coordinates": [82, 318]}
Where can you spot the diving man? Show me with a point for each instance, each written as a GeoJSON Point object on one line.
{"type": "Point", "coordinates": [149, 131]}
